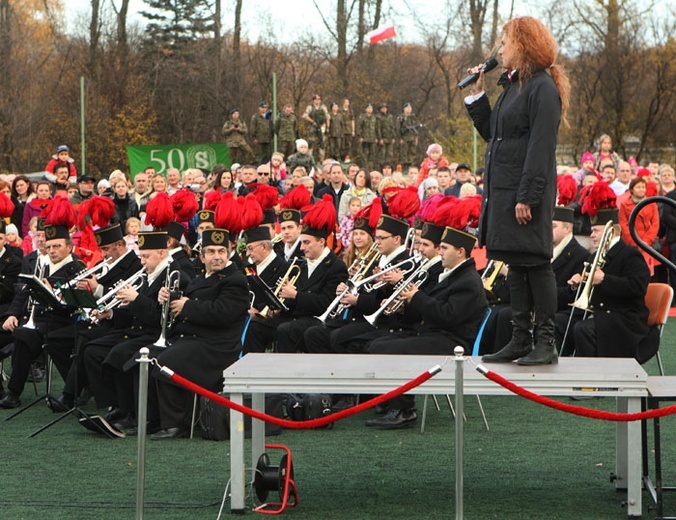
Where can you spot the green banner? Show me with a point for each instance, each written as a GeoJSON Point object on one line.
{"type": "Point", "coordinates": [179, 156]}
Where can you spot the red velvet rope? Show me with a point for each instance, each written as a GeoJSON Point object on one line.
{"type": "Point", "coordinates": [574, 409]}
{"type": "Point", "coordinates": [301, 425]}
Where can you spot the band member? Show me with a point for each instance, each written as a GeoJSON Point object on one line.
{"type": "Point", "coordinates": [520, 185]}
{"type": "Point", "coordinates": [137, 322]}
{"type": "Point", "coordinates": [178, 254]}
{"type": "Point", "coordinates": [29, 341]}
{"type": "Point", "coordinates": [619, 327]}
{"type": "Point", "coordinates": [317, 280]}
{"type": "Point", "coordinates": [205, 220]}
{"type": "Point", "coordinates": [289, 221]}
{"type": "Point", "coordinates": [202, 344]}
{"type": "Point", "coordinates": [449, 315]}
{"type": "Point", "coordinates": [119, 263]}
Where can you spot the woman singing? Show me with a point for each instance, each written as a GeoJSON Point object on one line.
{"type": "Point", "coordinates": [520, 181]}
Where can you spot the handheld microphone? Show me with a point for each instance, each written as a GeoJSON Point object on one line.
{"type": "Point", "coordinates": [490, 64]}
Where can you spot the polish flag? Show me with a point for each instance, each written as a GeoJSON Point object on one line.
{"type": "Point", "coordinates": [382, 33]}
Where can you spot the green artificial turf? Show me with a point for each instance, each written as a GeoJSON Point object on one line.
{"type": "Point", "coordinates": [534, 463]}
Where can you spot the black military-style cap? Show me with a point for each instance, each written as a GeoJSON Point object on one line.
{"type": "Point", "coordinates": [287, 215]}
{"type": "Point", "coordinates": [175, 230]}
{"type": "Point", "coordinates": [148, 240]}
{"type": "Point", "coordinates": [604, 216]}
{"type": "Point", "coordinates": [53, 232]}
{"type": "Point", "coordinates": [257, 234]}
{"type": "Point", "coordinates": [269, 216]}
{"type": "Point", "coordinates": [108, 235]}
{"type": "Point", "coordinates": [206, 215]}
{"type": "Point", "coordinates": [564, 213]}
{"type": "Point", "coordinates": [216, 237]}
{"type": "Point", "coordinates": [458, 238]}
{"type": "Point", "coordinates": [432, 232]}
{"type": "Point", "coordinates": [363, 224]}
{"type": "Point", "coordinates": [393, 225]}
{"type": "Point", "coordinates": [41, 224]}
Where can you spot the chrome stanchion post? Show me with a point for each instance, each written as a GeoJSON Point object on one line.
{"type": "Point", "coordinates": [459, 412]}
{"type": "Point", "coordinates": [142, 420]}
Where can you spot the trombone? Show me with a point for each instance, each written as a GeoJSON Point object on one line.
{"type": "Point", "coordinates": [291, 276]}
{"type": "Point", "coordinates": [393, 304]}
{"type": "Point", "coordinates": [585, 290]}
{"type": "Point", "coordinates": [173, 283]}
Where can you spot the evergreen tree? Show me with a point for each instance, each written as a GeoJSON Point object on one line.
{"type": "Point", "coordinates": [175, 23]}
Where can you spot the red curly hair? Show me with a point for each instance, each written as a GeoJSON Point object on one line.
{"type": "Point", "coordinates": [536, 50]}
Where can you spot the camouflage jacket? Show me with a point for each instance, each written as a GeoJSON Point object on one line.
{"type": "Point", "coordinates": [286, 127]}
{"type": "Point", "coordinates": [366, 128]}
{"type": "Point", "coordinates": [407, 127]}
{"type": "Point", "coordinates": [385, 128]}
{"type": "Point", "coordinates": [260, 128]}
{"type": "Point", "coordinates": [235, 132]}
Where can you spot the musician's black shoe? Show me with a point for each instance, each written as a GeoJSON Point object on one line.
{"type": "Point", "coordinates": [36, 374]}
{"type": "Point", "coordinates": [394, 419]}
{"type": "Point", "coordinates": [380, 409]}
{"type": "Point", "coordinates": [127, 425]}
{"type": "Point", "coordinates": [169, 433]}
{"type": "Point", "coordinates": [345, 402]}
{"type": "Point", "coordinates": [116, 415]}
{"type": "Point", "coordinates": [11, 400]}
{"type": "Point", "coordinates": [60, 404]}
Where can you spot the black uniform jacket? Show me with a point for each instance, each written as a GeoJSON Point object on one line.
{"type": "Point", "coordinates": [10, 267]}
{"type": "Point", "coordinates": [181, 261]}
{"type": "Point", "coordinates": [369, 302]}
{"type": "Point", "coordinates": [521, 131]}
{"type": "Point", "coordinates": [456, 306]}
{"type": "Point", "coordinates": [619, 302]}
{"type": "Point", "coordinates": [125, 267]}
{"type": "Point", "coordinates": [567, 264]}
{"type": "Point", "coordinates": [271, 275]}
{"type": "Point", "coordinates": [315, 293]}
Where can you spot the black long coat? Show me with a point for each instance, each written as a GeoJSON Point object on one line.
{"type": "Point", "coordinates": [619, 303]}
{"type": "Point", "coordinates": [520, 164]}
{"type": "Point", "coordinates": [205, 338]}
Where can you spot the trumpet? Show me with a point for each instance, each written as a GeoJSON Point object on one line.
{"type": "Point", "coordinates": [99, 269]}
{"type": "Point", "coordinates": [197, 248]}
{"type": "Point", "coordinates": [109, 301]}
{"type": "Point", "coordinates": [291, 275]}
{"type": "Point", "coordinates": [393, 303]}
{"type": "Point", "coordinates": [359, 268]}
{"type": "Point", "coordinates": [277, 238]}
{"type": "Point", "coordinates": [353, 287]}
{"type": "Point", "coordinates": [172, 282]}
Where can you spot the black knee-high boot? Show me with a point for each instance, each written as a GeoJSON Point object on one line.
{"type": "Point", "coordinates": [542, 283]}
{"type": "Point", "coordinates": [522, 306]}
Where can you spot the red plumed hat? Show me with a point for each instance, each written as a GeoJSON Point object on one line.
{"type": "Point", "coordinates": [404, 204]}
{"type": "Point", "coordinates": [6, 206]}
{"type": "Point", "coordinates": [211, 200]}
{"type": "Point", "coordinates": [567, 187]}
{"type": "Point", "coordinates": [266, 195]}
{"type": "Point", "coordinates": [59, 212]}
{"type": "Point", "coordinates": [159, 211]}
{"type": "Point", "coordinates": [320, 220]}
{"type": "Point", "coordinates": [228, 214]}
{"type": "Point", "coordinates": [443, 213]}
{"type": "Point", "coordinates": [465, 213]}
{"type": "Point", "coordinates": [429, 206]}
{"type": "Point", "coordinates": [184, 205]}
{"type": "Point", "coordinates": [251, 211]}
{"type": "Point", "coordinates": [296, 198]}
{"type": "Point", "coordinates": [367, 218]}
{"type": "Point", "coordinates": [598, 196]}
{"type": "Point", "coordinates": [99, 209]}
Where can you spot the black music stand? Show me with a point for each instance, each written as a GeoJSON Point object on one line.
{"type": "Point", "coordinates": [42, 294]}
{"type": "Point", "coordinates": [81, 299]}
{"type": "Point", "coordinates": [263, 290]}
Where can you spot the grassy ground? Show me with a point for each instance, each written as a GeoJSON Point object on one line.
{"type": "Point", "coordinates": [533, 463]}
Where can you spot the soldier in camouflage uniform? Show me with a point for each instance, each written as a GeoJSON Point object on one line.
{"type": "Point", "coordinates": [235, 132]}
{"type": "Point", "coordinates": [348, 130]}
{"type": "Point", "coordinates": [407, 132]}
{"type": "Point", "coordinates": [261, 133]}
{"type": "Point", "coordinates": [385, 135]}
{"type": "Point", "coordinates": [366, 130]}
{"type": "Point", "coordinates": [286, 128]}
{"type": "Point", "coordinates": [316, 116]}
{"type": "Point", "coordinates": [335, 132]}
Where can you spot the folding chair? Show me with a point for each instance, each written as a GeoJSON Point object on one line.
{"type": "Point", "coordinates": [658, 299]}
{"type": "Point", "coordinates": [475, 352]}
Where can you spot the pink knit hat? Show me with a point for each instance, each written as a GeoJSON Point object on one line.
{"type": "Point", "coordinates": [587, 156]}
{"type": "Point", "coordinates": [433, 147]}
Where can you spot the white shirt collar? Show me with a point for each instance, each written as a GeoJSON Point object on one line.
{"type": "Point", "coordinates": [158, 270]}
{"type": "Point", "coordinates": [385, 260]}
{"type": "Point", "coordinates": [313, 264]}
{"type": "Point", "coordinates": [55, 267]}
{"type": "Point", "coordinates": [448, 272]}
{"type": "Point", "coordinates": [266, 262]}
{"type": "Point", "coordinates": [289, 250]}
{"type": "Point", "coordinates": [562, 245]}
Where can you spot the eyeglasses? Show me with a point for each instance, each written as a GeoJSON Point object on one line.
{"type": "Point", "coordinates": [380, 238]}
{"type": "Point", "coordinates": [267, 174]}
